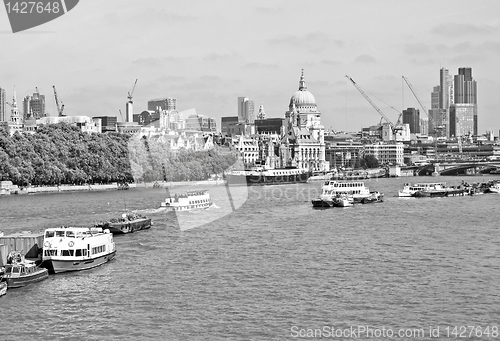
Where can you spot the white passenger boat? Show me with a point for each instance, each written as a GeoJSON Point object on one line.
{"type": "Point", "coordinates": [409, 190]}
{"type": "Point", "coordinates": [76, 248]}
{"type": "Point", "coordinates": [356, 189]}
{"type": "Point", "coordinates": [187, 201]}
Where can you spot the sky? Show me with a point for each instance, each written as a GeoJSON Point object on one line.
{"type": "Point", "coordinates": [208, 53]}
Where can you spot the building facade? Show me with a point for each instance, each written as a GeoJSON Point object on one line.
{"type": "Point", "coordinates": [159, 104]}
{"type": "Point", "coordinates": [386, 154]}
{"type": "Point", "coordinates": [411, 116]}
{"type": "Point", "coordinates": [463, 111]}
{"type": "Point", "coordinates": [303, 138]}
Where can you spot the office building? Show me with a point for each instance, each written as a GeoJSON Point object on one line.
{"type": "Point", "coordinates": [246, 110]}
{"type": "Point", "coordinates": [463, 111]}
{"type": "Point", "coordinates": [411, 116]}
{"type": "Point", "coordinates": [160, 104]}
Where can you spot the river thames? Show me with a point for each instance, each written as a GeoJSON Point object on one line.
{"type": "Point", "coordinates": [264, 265]}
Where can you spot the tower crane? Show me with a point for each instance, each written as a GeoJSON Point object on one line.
{"type": "Point", "coordinates": [392, 125]}
{"type": "Point", "coordinates": [131, 92]}
{"type": "Point", "coordinates": [421, 104]}
{"type": "Point", "coordinates": [60, 108]}
{"type": "Point", "coordinates": [121, 115]}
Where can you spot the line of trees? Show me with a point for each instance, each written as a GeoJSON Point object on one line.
{"type": "Point", "coordinates": [61, 154]}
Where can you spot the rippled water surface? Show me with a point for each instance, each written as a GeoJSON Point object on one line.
{"type": "Point", "coordinates": [263, 263]}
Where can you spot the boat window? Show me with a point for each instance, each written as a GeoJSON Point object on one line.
{"type": "Point", "coordinates": [65, 253]}
{"type": "Point", "coordinates": [8, 270]}
{"type": "Point", "coordinates": [59, 233]}
{"type": "Point", "coordinates": [49, 234]}
{"type": "Point", "coordinates": [15, 270]}
{"type": "Point", "coordinates": [70, 234]}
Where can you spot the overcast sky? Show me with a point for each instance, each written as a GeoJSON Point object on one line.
{"type": "Point", "coordinates": [207, 53]}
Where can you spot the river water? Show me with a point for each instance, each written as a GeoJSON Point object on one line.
{"type": "Point", "coordinates": [264, 265]}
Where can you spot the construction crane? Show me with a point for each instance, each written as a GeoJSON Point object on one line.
{"type": "Point", "coordinates": [60, 108]}
{"type": "Point", "coordinates": [121, 115]}
{"type": "Point", "coordinates": [393, 126]}
{"type": "Point", "coordinates": [131, 92]}
{"type": "Point", "coordinates": [421, 104]}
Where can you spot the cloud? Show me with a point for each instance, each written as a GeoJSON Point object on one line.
{"type": "Point", "coordinates": [454, 30]}
{"type": "Point", "coordinates": [260, 66]}
{"type": "Point", "coordinates": [216, 57]}
{"type": "Point", "coordinates": [155, 61]}
{"type": "Point", "coordinates": [312, 40]}
{"type": "Point", "coordinates": [364, 58]}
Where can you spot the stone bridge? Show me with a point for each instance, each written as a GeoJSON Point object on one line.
{"type": "Point", "coordinates": [456, 168]}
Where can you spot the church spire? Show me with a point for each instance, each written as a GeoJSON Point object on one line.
{"type": "Point", "coordinates": [302, 82]}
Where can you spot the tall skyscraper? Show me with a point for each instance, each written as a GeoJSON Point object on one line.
{"type": "Point", "coordinates": [435, 117]}
{"type": "Point", "coordinates": [411, 116]}
{"type": "Point", "coordinates": [3, 113]}
{"type": "Point", "coordinates": [446, 98]}
{"type": "Point", "coordinates": [246, 110]}
{"type": "Point", "coordinates": [463, 112]}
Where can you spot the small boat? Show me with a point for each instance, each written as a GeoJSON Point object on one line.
{"type": "Point", "coordinates": [76, 248]}
{"type": "Point", "coordinates": [128, 223]}
{"type": "Point", "coordinates": [494, 187]}
{"type": "Point", "coordinates": [3, 287]}
{"type": "Point", "coordinates": [373, 198]}
{"type": "Point", "coordinates": [343, 200]}
{"type": "Point", "coordinates": [20, 272]}
{"type": "Point", "coordinates": [187, 201]}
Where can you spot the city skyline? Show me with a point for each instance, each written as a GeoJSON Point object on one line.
{"type": "Point", "coordinates": [207, 54]}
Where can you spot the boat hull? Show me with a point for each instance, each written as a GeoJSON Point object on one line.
{"type": "Point", "coordinates": [126, 226]}
{"type": "Point", "coordinates": [263, 179]}
{"type": "Point", "coordinates": [320, 203]}
{"type": "Point", "coordinates": [17, 282]}
{"type": "Point", "coordinates": [58, 266]}
{"type": "Point", "coordinates": [3, 288]}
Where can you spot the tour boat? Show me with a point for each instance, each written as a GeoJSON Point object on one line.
{"type": "Point", "coordinates": [267, 176]}
{"type": "Point", "coordinates": [128, 223]}
{"type": "Point", "coordinates": [357, 189]}
{"type": "Point", "coordinates": [77, 248]}
{"type": "Point", "coordinates": [409, 190]}
{"type": "Point", "coordinates": [187, 201]}
{"type": "Point", "coordinates": [20, 272]}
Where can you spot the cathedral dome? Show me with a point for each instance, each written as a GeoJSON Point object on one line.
{"type": "Point", "coordinates": [302, 97]}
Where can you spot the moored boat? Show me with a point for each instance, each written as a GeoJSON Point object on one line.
{"type": "Point", "coordinates": [265, 176]}
{"type": "Point", "coordinates": [20, 272]}
{"type": "Point", "coordinates": [76, 248]}
{"type": "Point", "coordinates": [190, 200]}
{"type": "Point", "coordinates": [494, 187]}
{"type": "Point", "coordinates": [374, 197]}
{"type": "Point", "coordinates": [409, 190]}
{"type": "Point", "coordinates": [128, 223]}
{"type": "Point", "coordinates": [343, 200]}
